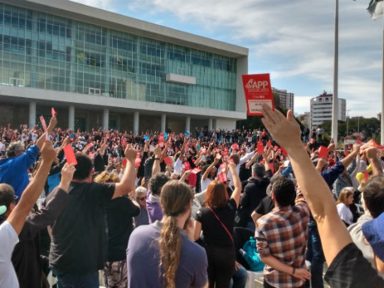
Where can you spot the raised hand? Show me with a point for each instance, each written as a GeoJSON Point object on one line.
{"type": "Point", "coordinates": [47, 152]}
{"type": "Point", "coordinates": [284, 130]}
{"type": "Point", "coordinates": [66, 176]}
{"type": "Point", "coordinates": [130, 153]}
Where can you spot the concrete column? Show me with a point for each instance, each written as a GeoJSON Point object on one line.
{"type": "Point", "coordinates": [105, 119]}
{"type": "Point", "coordinates": [32, 114]}
{"type": "Point", "coordinates": [188, 124]}
{"type": "Point", "coordinates": [210, 124]}
{"type": "Point", "coordinates": [136, 122]}
{"type": "Point", "coordinates": [163, 122]}
{"type": "Point", "coordinates": [71, 117]}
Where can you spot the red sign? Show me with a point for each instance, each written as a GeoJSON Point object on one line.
{"type": "Point", "coordinates": [258, 92]}
{"type": "Point", "coordinates": [70, 154]}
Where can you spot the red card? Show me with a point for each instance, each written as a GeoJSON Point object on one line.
{"type": "Point", "coordinates": [323, 152]}
{"type": "Point", "coordinates": [258, 92]}
{"type": "Point", "coordinates": [137, 162]}
{"type": "Point", "coordinates": [43, 123]}
{"type": "Point", "coordinates": [260, 147]}
{"type": "Point", "coordinates": [168, 161]}
{"type": "Point", "coordinates": [53, 112]}
{"type": "Point", "coordinates": [70, 154]}
{"type": "Point", "coordinates": [187, 166]}
{"type": "Point", "coordinates": [161, 139]}
{"type": "Point", "coordinates": [284, 152]}
{"type": "Point", "coordinates": [222, 177]}
{"type": "Point", "coordinates": [235, 146]}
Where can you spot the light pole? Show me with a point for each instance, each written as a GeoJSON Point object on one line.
{"type": "Point", "coordinates": [335, 101]}
{"type": "Point", "coordinates": [346, 134]}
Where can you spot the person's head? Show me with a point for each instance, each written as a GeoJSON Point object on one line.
{"type": "Point", "coordinates": [176, 203]}
{"type": "Point", "coordinates": [374, 234]}
{"type": "Point", "coordinates": [373, 195]}
{"type": "Point", "coordinates": [141, 196]}
{"type": "Point", "coordinates": [283, 192]}
{"type": "Point", "coordinates": [7, 199]}
{"type": "Point", "coordinates": [106, 177]}
{"type": "Point", "coordinates": [235, 158]}
{"type": "Point", "coordinates": [84, 168]}
{"type": "Point", "coordinates": [157, 182]}
{"type": "Point", "coordinates": [216, 195]}
{"type": "Point", "coordinates": [258, 170]}
{"type": "Point", "coordinates": [15, 149]}
{"type": "Point", "coordinates": [346, 196]}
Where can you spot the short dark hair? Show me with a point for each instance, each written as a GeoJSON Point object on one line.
{"type": "Point", "coordinates": [258, 170]}
{"type": "Point", "coordinates": [374, 195]}
{"type": "Point", "coordinates": [157, 182]}
{"type": "Point", "coordinates": [7, 195]}
{"type": "Point", "coordinates": [285, 192]}
{"type": "Point", "coordinates": [83, 168]}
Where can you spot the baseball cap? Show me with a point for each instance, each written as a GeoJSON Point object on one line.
{"type": "Point", "coordinates": [374, 233]}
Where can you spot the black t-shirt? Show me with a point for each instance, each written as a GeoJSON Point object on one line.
{"type": "Point", "coordinates": [254, 192]}
{"type": "Point", "coordinates": [266, 205]}
{"type": "Point", "coordinates": [79, 234]}
{"type": "Point", "coordinates": [214, 233]}
{"type": "Point", "coordinates": [351, 270]}
{"type": "Point", "coordinates": [119, 216]}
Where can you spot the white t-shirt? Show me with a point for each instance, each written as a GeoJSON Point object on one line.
{"type": "Point", "coordinates": [204, 183]}
{"type": "Point", "coordinates": [8, 240]}
{"type": "Point", "coordinates": [345, 213]}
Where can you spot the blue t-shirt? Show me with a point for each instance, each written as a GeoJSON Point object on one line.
{"type": "Point", "coordinates": [143, 260]}
{"type": "Point", "coordinates": [14, 170]}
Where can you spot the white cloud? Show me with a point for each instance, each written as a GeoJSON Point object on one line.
{"type": "Point", "coordinates": [291, 39]}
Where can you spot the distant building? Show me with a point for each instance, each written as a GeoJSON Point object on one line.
{"type": "Point", "coordinates": [321, 109]}
{"type": "Point", "coordinates": [286, 99]}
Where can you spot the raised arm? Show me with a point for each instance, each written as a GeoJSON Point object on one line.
{"type": "Point", "coordinates": [351, 156]}
{"type": "Point", "coordinates": [236, 183]}
{"type": "Point", "coordinates": [43, 137]}
{"type": "Point", "coordinates": [372, 155]}
{"type": "Point", "coordinates": [127, 182]}
{"type": "Point", "coordinates": [33, 190]}
{"type": "Point", "coordinates": [286, 132]}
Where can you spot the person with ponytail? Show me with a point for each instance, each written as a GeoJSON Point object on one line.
{"type": "Point", "coordinates": [162, 254]}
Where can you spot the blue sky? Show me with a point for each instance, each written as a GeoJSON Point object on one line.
{"type": "Point", "coordinates": [291, 39]}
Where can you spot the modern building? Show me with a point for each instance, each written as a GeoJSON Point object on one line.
{"type": "Point", "coordinates": [321, 109]}
{"type": "Point", "coordinates": [286, 99]}
{"type": "Point", "coordinates": [101, 69]}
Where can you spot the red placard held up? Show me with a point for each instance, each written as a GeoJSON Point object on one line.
{"type": "Point", "coordinates": [323, 152]}
{"type": "Point", "coordinates": [70, 155]}
{"type": "Point", "coordinates": [258, 92]}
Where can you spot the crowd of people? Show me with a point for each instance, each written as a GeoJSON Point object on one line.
{"type": "Point", "coordinates": [165, 209]}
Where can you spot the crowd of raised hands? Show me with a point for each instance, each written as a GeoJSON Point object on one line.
{"type": "Point", "coordinates": [203, 161]}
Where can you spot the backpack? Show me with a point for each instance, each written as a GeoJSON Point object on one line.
{"type": "Point", "coordinates": [251, 256]}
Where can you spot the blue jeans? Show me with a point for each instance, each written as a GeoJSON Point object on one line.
{"type": "Point", "coordinates": [315, 255]}
{"type": "Point", "coordinates": [239, 278]}
{"type": "Point", "coordinates": [64, 280]}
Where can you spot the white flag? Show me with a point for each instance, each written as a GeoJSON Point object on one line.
{"type": "Point", "coordinates": [376, 8]}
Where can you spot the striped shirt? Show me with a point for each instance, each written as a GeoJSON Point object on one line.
{"type": "Point", "coordinates": [283, 234]}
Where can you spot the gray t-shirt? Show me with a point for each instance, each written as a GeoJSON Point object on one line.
{"type": "Point", "coordinates": [8, 240]}
{"type": "Point", "coordinates": [143, 260]}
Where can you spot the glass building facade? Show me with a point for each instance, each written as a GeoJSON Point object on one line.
{"type": "Point", "coordinates": [43, 51]}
